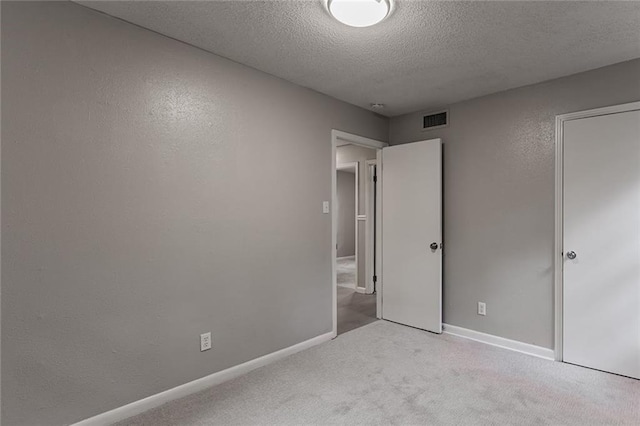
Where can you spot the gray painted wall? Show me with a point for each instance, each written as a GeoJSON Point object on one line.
{"type": "Point", "coordinates": [359, 154]}
{"type": "Point", "coordinates": [499, 197]}
{"type": "Point", "coordinates": [0, 228]}
{"type": "Point", "coordinates": [143, 186]}
{"type": "Point", "coordinates": [346, 193]}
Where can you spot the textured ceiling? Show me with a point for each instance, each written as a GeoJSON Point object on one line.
{"type": "Point", "coordinates": [424, 55]}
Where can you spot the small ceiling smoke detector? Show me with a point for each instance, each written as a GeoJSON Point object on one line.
{"type": "Point", "coordinates": [359, 13]}
{"type": "Point", "coordinates": [377, 107]}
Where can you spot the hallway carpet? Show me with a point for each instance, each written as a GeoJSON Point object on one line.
{"type": "Point", "coordinates": [384, 373]}
{"type": "Point", "coordinates": [354, 309]}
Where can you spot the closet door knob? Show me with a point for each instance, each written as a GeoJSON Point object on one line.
{"type": "Point", "coordinates": [572, 255]}
{"type": "Point", "coordinates": [434, 246]}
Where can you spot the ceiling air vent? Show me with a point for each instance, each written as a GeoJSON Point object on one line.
{"type": "Point", "coordinates": [435, 120]}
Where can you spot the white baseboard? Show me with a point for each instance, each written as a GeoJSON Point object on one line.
{"type": "Point", "coordinates": [352, 257]}
{"type": "Point", "coordinates": [361, 290]}
{"type": "Point", "coordinates": [140, 406]}
{"type": "Point", "coordinates": [501, 342]}
{"type": "Point", "coordinates": [351, 286]}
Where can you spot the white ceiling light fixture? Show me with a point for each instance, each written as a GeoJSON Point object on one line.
{"type": "Point", "coordinates": [359, 13]}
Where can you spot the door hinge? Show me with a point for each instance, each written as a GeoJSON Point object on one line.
{"type": "Point", "coordinates": [375, 278]}
{"type": "Point", "coordinates": [375, 178]}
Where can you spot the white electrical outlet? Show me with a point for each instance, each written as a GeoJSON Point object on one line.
{"type": "Point", "coordinates": [482, 308]}
{"type": "Point", "coordinates": [325, 207]}
{"type": "Point", "coordinates": [205, 342]}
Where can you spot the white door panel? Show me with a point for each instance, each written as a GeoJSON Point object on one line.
{"type": "Point", "coordinates": [601, 309]}
{"type": "Point", "coordinates": [411, 221]}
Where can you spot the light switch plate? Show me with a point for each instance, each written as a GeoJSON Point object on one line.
{"type": "Point", "coordinates": [325, 207]}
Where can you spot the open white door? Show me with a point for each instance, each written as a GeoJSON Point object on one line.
{"type": "Point", "coordinates": [412, 234]}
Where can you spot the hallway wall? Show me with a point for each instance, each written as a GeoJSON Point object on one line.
{"type": "Point", "coordinates": [346, 192]}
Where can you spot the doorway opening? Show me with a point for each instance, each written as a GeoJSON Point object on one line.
{"type": "Point", "coordinates": [347, 188]}
{"type": "Point", "coordinates": [354, 226]}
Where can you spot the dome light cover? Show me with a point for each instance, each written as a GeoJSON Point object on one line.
{"type": "Point", "coordinates": [359, 13]}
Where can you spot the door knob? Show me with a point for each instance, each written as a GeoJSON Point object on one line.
{"type": "Point", "coordinates": [434, 246]}
{"type": "Point", "coordinates": [572, 255]}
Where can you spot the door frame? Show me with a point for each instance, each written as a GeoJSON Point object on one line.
{"type": "Point", "coordinates": [339, 138]}
{"type": "Point", "coordinates": [351, 166]}
{"type": "Point", "coordinates": [558, 255]}
{"type": "Point", "coordinates": [370, 212]}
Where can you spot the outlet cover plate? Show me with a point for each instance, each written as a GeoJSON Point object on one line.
{"type": "Point", "coordinates": [205, 342]}
{"type": "Point", "coordinates": [482, 308]}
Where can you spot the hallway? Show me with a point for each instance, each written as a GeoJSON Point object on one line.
{"type": "Point", "coordinates": [354, 309]}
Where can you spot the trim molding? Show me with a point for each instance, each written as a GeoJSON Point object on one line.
{"type": "Point", "coordinates": [558, 243]}
{"type": "Point", "coordinates": [369, 234]}
{"type": "Point", "coordinates": [378, 207]}
{"type": "Point", "coordinates": [142, 405]}
{"type": "Point", "coordinates": [351, 286]}
{"type": "Point", "coordinates": [353, 256]}
{"type": "Point", "coordinates": [501, 342]}
{"type": "Point", "coordinates": [558, 240]}
{"type": "Point", "coordinates": [343, 138]}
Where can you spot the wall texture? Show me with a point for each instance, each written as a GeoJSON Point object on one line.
{"type": "Point", "coordinates": [0, 229]}
{"type": "Point", "coordinates": [359, 154]}
{"type": "Point", "coordinates": [499, 197]}
{"type": "Point", "coordinates": [346, 194]}
{"type": "Point", "coordinates": [143, 185]}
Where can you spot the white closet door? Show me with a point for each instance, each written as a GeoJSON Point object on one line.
{"type": "Point", "coordinates": [411, 226]}
{"type": "Point", "coordinates": [601, 271]}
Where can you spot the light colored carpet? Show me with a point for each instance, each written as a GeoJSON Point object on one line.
{"type": "Point", "coordinates": [384, 373]}
{"type": "Point", "coordinates": [354, 309]}
{"type": "Point", "coordinates": [346, 272]}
